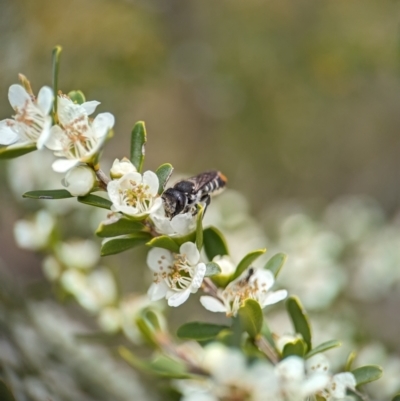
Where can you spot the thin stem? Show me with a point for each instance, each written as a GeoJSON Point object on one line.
{"type": "Point", "coordinates": [265, 347]}
{"type": "Point", "coordinates": [209, 287]}
{"type": "Point", "coordinates": [101, 175]}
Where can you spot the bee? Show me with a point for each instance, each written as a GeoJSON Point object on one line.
{"type": "Point", "coordinates": [185, 195]}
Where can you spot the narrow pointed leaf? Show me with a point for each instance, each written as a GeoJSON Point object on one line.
{"type": "Point", "coordinates": [267, 333]}
{"type": "Point", "coordinates": [122, 226]}
{"type": "Point", "coordinates": [147, 331]}
{"type": "Point", "coordinates": [5, 392]}
{"type": "Point", "coordinates": [366, 374]}
{"type": "Point", "coordinates": [276, 263]}
{"type": "Point", "coordinates": [349, 361]}
{"type": "Point", "coordinates": [323, 347]}
{"type": "Point", "coordinates": [163, 241]}
{"type": "Point", "coordinates": [133, 360]}
{"type": "Point", "coordinates": [138, 142]}
{"type": "Point", "coordinates": [295, 347]}
{"type": "Point", "coordinates": [163, 174]}
{"type": "Point", "coordinates": [214, 243]}
{"type": "Point", "coordinates": [50, 194]}
{"type": "Point", "coordinates": [121, 244]}
{"type": "Point", "coordinates": [251, 317]}
{"type": "Point", "coordinates": [56, 68]}
{"type": "Point", "coordinates": [153, 319]}
{"type": "Point", "coordinates": [168, 367]}
{"type": "Point", "coordinates": [96, 201]}
{"type": "Point", "coordinates": [16, 150]}
{"type": "Point", "coordinates": [199, 227]}
{"type": "Point", "coordinates": [396, 397]}
{"type": "Point", "coordinates": [200, 331]}
{"type": "Point", "coordinates": [299, 319]}
{"type": "Point", "coordinates": [246, 262]}
{"type": "Point", "coordinates": [212, 269]}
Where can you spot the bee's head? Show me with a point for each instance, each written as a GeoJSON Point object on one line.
{"type": "Point", "coordinates": [174, 202]}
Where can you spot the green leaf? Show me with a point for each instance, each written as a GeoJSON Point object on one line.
{"type": "Point", "coordinates": [396, 397]}
{"type": "Point", "coordinates": [367, 373]}
{"type": "Point", "coordinates": [214, 243]}
{"type": "Point", "coordinates": [199, 227]}
{"type": "Point", "coordinates": [168, 367]}
{"type": "Point", "coordinates": [153, 319]}
{"type": "Point", "coordinates": [267, 333]}
{"type": "Point", "coordinates": [349, 361]}
{"type": "Point", "coordinates": [138, 142]}
{"type": "Point", "coordinates": [163, 174]}
{"type": "Point", "coordinates": [163, 241]}
{"type": "Point", "coordinates": [96, 201]}
{"type": "Point", "coordinates": [48, 194]}
{"type": "Point", "coordinates": [246, 262]}
{"type": "Point", "coordinates": [77, 97]}
{"type": "Point", "coordinates": [121, 244]}
{"type": "Point", "coordinates": [323, 347]}
{"type": "Point", "coordinates": [16, 150]}
{"type": "Point", "coordinates": [56, 68]}
{"type": "Point", "coordinates": [251, 317]}
{"type": "Point", "coordinates": [200, 331]}
{"type": "Point", "coordinates": [212, 269]}
{"type": "Point", "coordinates": [276, 263]}
{"type": "Point", "coordinates": [133, 360]}
{"type": "Point", "coordinates": [299, 319]}
{"type": "Point", "coordinates": [147, 330]}
{"type": "Point", "coordinates": [114, 228]}
{"type": "Point", "coordinates": [295, 347]}
{"type": "Point", "coordinates": [5, 392]}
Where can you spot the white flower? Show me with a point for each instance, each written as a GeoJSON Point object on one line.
{"type": "Point", "coordinates": [176, 276]}
{"type": "Point", "coordinates": [34, 235]}
{"type": "Point", "coordinates": [80, 180]}
{"type": "Point", "coordinates": [94, 291]}
{"type": "Point", "coordinates": [77, 138]}
{"type": "Point", "coordinates": [253, 283]}
{"type": "Point", "coordinates": [135, 195]}
{"type": "Point", "coordinates": [31, 122]}
{"type": "Point", "coordinates": [180, 225]}
{"type": "Point", "coordinates": [78, 254]}
{"type": "Point", "coordinates": [338, 384]}
{"type": "Point", "coordinates": [110, 319]}
{"type": "Point", "coordinates": [225, 263]}
{"type": "Point", "coordinates": [121, 167]}
{"type": "Point", "coordinates": [51, 268]}
{"type": "Point", "coordinates": [294, 384]}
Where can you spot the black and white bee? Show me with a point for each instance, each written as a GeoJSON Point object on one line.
{"type": "Point", "coordinates": [185, 195]}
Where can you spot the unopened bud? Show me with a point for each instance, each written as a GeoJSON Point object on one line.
{"type": "Point", "coordinates": [80, 180]}
{"type": "Point", "coordinates": [121, 167]}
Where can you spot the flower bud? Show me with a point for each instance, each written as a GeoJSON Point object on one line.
{"type": "Point", "coordinates": [80, 180]}
{"type": "Point", "coordinates": [120, 168]}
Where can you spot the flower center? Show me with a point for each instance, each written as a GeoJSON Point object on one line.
{"type": "Point", "coordinates": [137, 196]}
{"type": "Point", "coordinates": [30, 121]}
{"type": "Point", "coordinates": [178, 275]}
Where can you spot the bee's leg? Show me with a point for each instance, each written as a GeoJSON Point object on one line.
{"type": "Point", "coordinates": [206, 200]}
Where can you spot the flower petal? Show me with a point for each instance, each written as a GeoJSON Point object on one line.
{"type": "Point", "coordinates": [341, 382]}
{"type": "Point", "coordinates": [273, 297]}
{"type": "Point", "coordinates": [90, 107]}
{"type": "Point", "coordinates": [7, 134]}
{"type": "Point", "coordinates": [191, 252]}
{"type": "Point", "coordinates": [316, 382]}
{"type": "Point", "coordinates": [45, 135]}
{"type": "Point", "coordinates": [212, 304]}
{"type": "Point", "coordinates": [183, 223]}
{"type": "Point", "coordinates": [63, 165]}
{"type": "Point", "coordinates": [265, 279]}
{"type": "Point", "coordinates": [157, 291]}
{"type": "Point", "coordinates": [45, 99]}
{"type": "Point", "coordinates": [102, 124]}
{"type": "Point", "coordinates": [198, 277]}
{"type": "Point", "coordinates": [18, 96]}
{"type": "Point", "coordinates": [159, 259]}
{"type": "Point", "coordinates": [178, 298]}
{"type": "Point", "coordinates": [53, 142]}
{"type": "Point", "coordinates": [151, 179]}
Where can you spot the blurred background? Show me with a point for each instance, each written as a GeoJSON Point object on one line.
{"type": "Point", "coordinates": [297, 102]}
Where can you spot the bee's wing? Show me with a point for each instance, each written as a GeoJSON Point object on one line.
{"type": "Point", "coordinates": [202, 179]}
